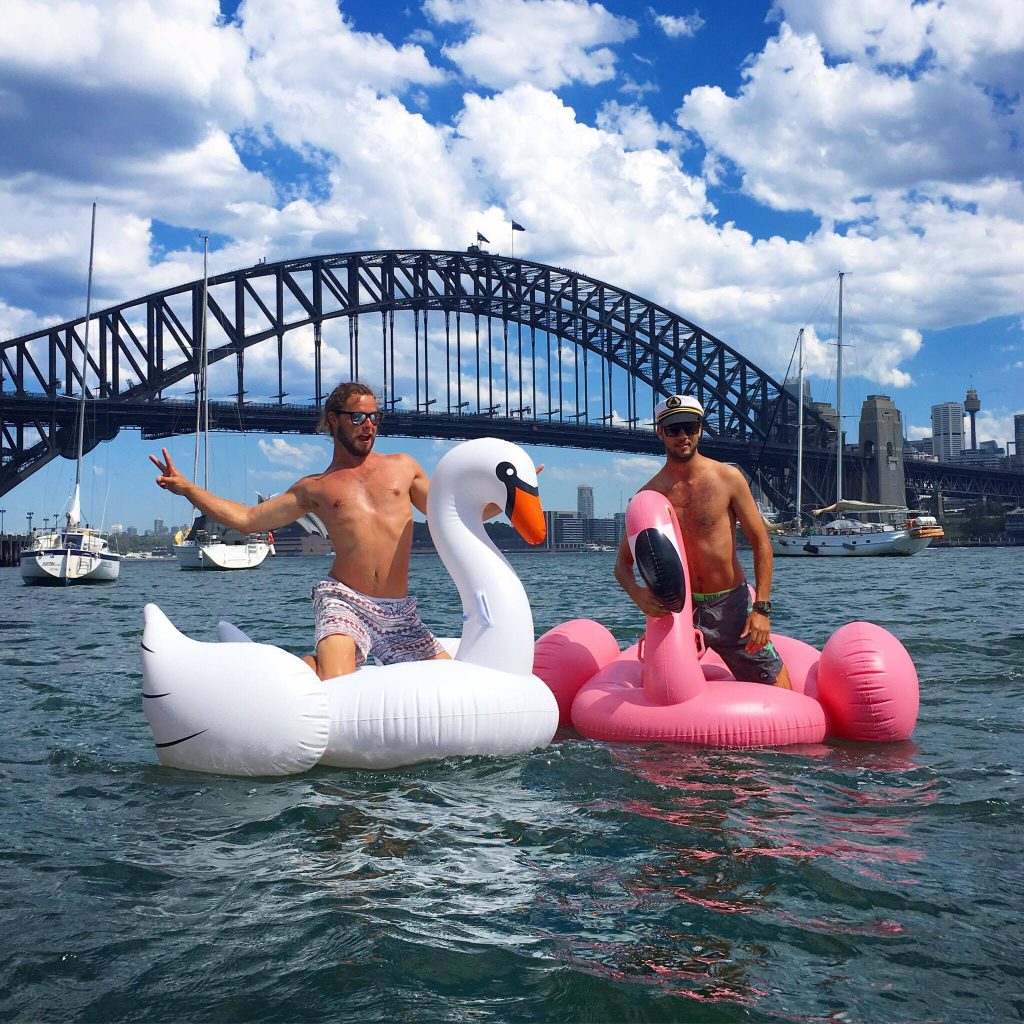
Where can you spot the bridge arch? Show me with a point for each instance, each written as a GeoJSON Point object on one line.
{"type": "Point", "coordinates": [620, 353]}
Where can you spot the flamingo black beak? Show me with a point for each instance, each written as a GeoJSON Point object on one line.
{"type": "Point", "coordinates": [658, 561]}
{"type": "Point", "coordinates": [522, 505]}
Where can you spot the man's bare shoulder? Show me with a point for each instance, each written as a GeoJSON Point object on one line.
{"type": "Point", "coordinates": [660, 482]}
{"type": "Point", "coordinates": [306, 487]}
{"type": "Point", "coordinates": [399, 462]}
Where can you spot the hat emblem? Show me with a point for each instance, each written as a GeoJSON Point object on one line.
{"type": "Point", "coordinates": [674, 402]}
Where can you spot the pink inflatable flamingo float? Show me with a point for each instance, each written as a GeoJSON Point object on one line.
{"type": "Point", "coordinates": [862, 686]}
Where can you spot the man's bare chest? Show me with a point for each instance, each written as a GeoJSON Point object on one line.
{"type": "Point", "coordinates": [702, 510]}
{"type": "Point", "coordinates": [376, 497]}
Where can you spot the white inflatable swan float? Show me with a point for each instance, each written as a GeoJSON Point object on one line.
{"type": "Point", "coordinates": [242, 708]}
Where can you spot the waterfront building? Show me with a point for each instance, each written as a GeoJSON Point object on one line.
{"type": "Point", "coordinates": [306, 536]}
{"type": "Point", "coordinates": [947, 430]}
{"type": "Point", "coordinates": [1018, 439]}
{"type": "Point", "coordinates": [1013, 523]}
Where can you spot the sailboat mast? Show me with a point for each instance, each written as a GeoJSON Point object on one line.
{"type": "Point", "coordinates": [85, 352]}
{"type": "Point", "coordinates": [206, 383]}
{"type": "Point", "coordinates": [839, 399]}
{"type": "Point", "coordinates": [75, 511]}
{"type": "Point", "coordinates": [800, 428]}
{"type": "Point", "coordinates": [202, 400]}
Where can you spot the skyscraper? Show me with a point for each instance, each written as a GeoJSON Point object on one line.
{"type": "Point", "coordinates": [1018, 438]}
{"type": "Point", "coordinates": [585, 502]}
{"type": "Point", "coordinates": [947, 430]}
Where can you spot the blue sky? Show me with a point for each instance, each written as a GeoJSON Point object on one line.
{"type": "Point", "coordinates": [726, 160]}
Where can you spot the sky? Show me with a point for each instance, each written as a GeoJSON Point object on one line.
{"type": "Point", "coordinates": [726, 160]}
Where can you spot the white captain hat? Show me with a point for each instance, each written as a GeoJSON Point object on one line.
{"type": "Point", "coordinates": [677, 408]}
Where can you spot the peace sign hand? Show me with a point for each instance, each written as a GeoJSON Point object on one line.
{"type": "Point", "coordinates": [170, 478]}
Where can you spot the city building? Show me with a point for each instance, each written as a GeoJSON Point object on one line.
{"type": "Point", "coordinates": [585, 502]}
{"type": "Point", "coordinates": [1018, 439]}
{"type": "Point", "coordinates": [132, 531]}
{"type": "Point", "coordinates": [919, 449]}
{"type": "Point", "coordinates": [947, 431]}
{"type": "Point", "coordinates": [987, 455]}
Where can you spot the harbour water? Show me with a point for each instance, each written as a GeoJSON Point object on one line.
{"type": "Point", "coordinates": [583, 882]}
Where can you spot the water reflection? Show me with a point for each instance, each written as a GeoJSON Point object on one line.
{"type": "Point", "coordinates": [730, 845]}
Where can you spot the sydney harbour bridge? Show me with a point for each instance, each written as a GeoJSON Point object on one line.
{"type": "Point", "coordinates": [457, 345]}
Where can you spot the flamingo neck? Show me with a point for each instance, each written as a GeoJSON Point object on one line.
{"type": "Point", "coordinates": [671, 668]}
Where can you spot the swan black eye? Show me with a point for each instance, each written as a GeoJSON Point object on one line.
{"type": "Point", "coordinates": [505, 471]}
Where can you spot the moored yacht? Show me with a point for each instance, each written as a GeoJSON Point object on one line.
{"type": "Point", "coordinates": [209, 545]}
{"type": "Point", "coordinates": [212, 546]}
{"type": "Point", "coordinates": [851, 533]}
{"type": "Point", "coordinates": [76, 554]}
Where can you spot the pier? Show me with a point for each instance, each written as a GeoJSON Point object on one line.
{"type": "Point", "coordinates": [10, 548]}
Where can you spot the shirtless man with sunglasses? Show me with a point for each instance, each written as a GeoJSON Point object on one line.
{"type": "Point", "coordinates": [710, 498]}
{"type": "Point", "coordinates": [365, 500]}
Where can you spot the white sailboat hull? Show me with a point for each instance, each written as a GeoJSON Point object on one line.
{"type": "Point", "coordinates": [218, 556]}
{"type": "Point", "coordinates": [65, 566]}
{"type": "Point", "coordinates": [865, 545]}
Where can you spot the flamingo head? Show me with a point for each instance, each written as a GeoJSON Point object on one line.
{"type": "Point", "coordinates": [656, 544]}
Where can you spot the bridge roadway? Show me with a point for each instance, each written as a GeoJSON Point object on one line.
{"type": "Point", "coordinates": [168, 418]}
{"type": "Point", "coordinates": [177, 417]}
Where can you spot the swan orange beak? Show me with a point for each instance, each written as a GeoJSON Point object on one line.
{"type": "Point", "coordinates": [527, 517]}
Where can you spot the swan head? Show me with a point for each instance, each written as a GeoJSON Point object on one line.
{"type": "Point", "coordinates": [491, 471]}
{"type": "Point", "coordinates": [657, 547]}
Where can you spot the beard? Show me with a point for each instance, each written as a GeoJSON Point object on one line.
{"type": "Point", "coordinates": [350, 445]}
{"type": "Point", "coordinates": [676, 457]}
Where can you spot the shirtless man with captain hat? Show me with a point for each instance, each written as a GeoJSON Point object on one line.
{"type": "Point", "coordinates": [710, 498]}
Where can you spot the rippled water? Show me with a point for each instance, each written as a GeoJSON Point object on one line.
{"type": "Point", "coordinates": [584, 882]}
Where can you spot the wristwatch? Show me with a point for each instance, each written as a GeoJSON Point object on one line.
{"type": "Point", "coordinates": [762, 607]}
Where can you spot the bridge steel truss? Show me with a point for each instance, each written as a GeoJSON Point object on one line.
{"type": "Point", "coordinates": [532, 352]}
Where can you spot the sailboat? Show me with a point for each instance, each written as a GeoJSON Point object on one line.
{"type": "Point", "coordinates": [208, 544]}
{"type": "Point", "coordinates": [76, 554]}
{"type": "Point", "coordinates": [894, 531]}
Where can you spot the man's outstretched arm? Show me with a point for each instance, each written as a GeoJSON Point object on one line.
{"type": "Point", "coordinates": [268, 515]}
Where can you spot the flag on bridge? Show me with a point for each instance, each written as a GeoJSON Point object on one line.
{"type": "Point", "coordinates": [517, 227]}
{"type": "Point", "coordinates": [480, 238]}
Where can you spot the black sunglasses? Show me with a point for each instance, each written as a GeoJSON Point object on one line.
{"type": "Point", "coordinates": [359, 417]}
{"type": "Point", "coordinates": [689, 428]}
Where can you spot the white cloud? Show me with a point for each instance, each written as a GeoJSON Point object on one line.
{"type": "Point", "coordinates": [548, 43]}
{"type": "Point", "coordinates": [636, 127]}
{"type": "Point", "coordinates": [677, 26]}
{"type": "Point", "coordinates": [285, 453]}
{"type": "Point", "coordinates": [920, 158]}
{"type": "Point", "coordinates": [806, 133]}
{"type": "Point", "coordinates": [996, 425]}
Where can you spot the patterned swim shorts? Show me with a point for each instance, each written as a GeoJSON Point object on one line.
{"type": "Point", "coordinates": [721, 618]}
{"type": "Point", "coordinates": [388, 628]}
